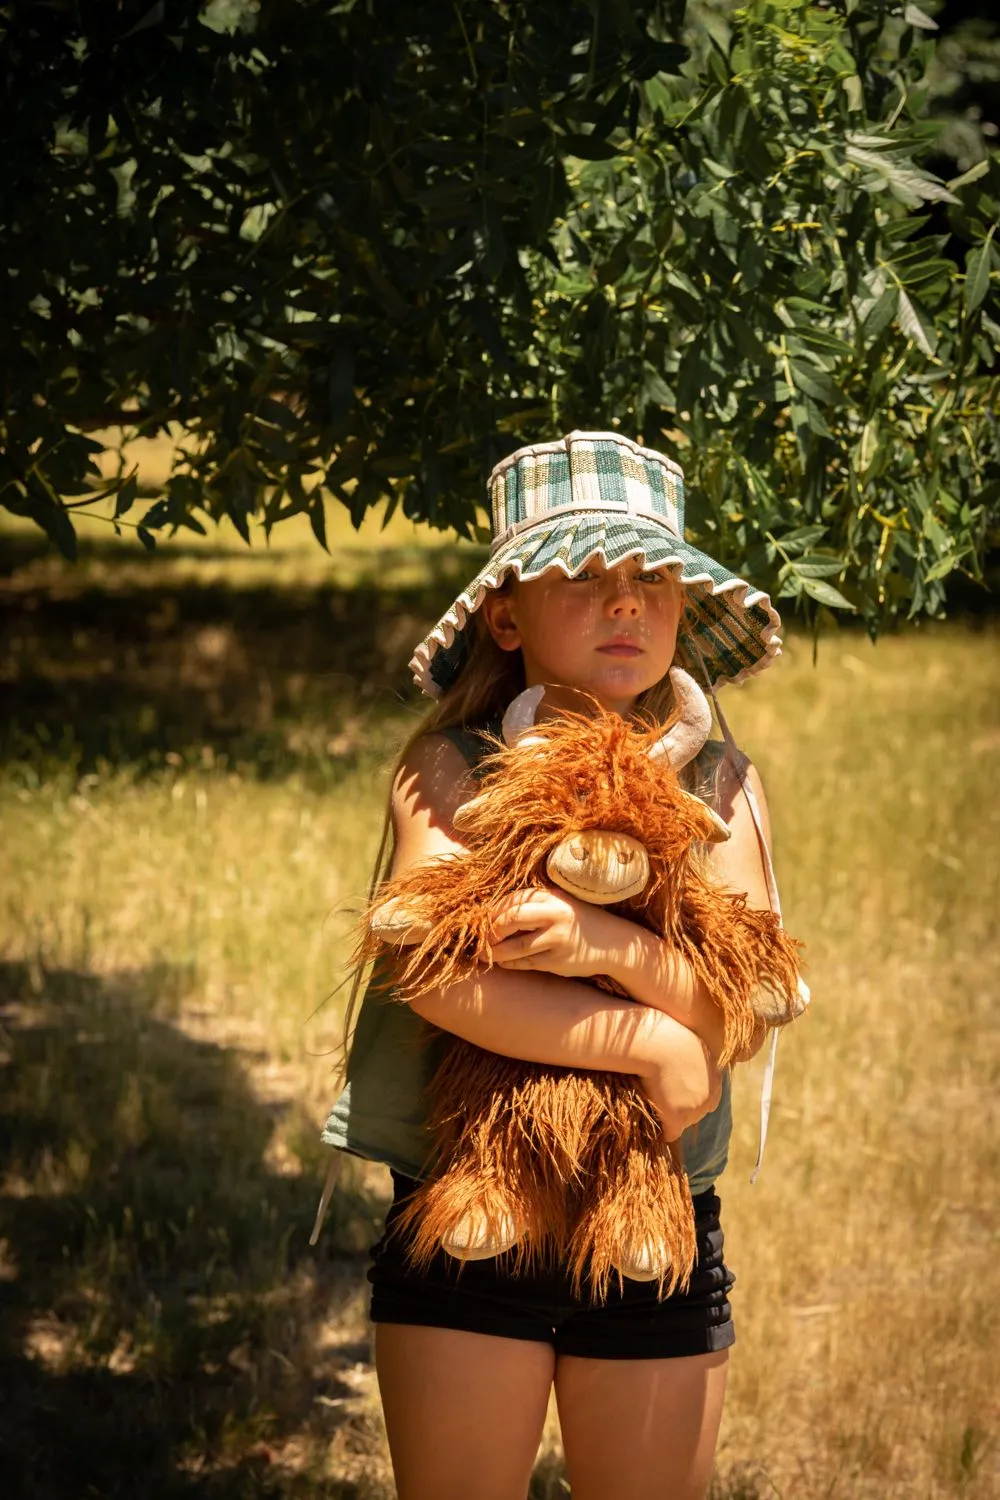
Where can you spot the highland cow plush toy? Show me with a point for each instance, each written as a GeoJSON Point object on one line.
{"type": "Point", "coordinates": [562, 1164]}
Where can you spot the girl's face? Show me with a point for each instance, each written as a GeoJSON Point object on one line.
{"type": "Point", "coordinates": [610, 632]}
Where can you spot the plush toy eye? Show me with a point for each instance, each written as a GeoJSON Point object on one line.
{"type": "Point", "coordinates": [624, 856]}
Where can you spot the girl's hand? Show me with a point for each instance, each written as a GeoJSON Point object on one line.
{"type": "Point", "coordinates": [684, 1084]}
{"type": "Point", "coordinates": [547, 930]}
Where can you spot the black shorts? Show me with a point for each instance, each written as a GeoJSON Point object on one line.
{"type": "Point", "coordinates": [482, 1297]}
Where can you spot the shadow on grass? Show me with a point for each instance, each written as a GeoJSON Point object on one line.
{"type": "Point", "coordinates": [273, 677]}
{"type": "Point", "coordinates": [166, 1330]}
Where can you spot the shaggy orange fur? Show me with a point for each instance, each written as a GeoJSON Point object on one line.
{"type": "Point", "coordinates": [578, 1158]}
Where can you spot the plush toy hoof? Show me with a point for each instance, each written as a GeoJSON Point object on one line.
{"type": "Point", "coordinates": [470, 1238]}
{"type": "Point", "coordinates": [773, 1007]}
{"type": "Point", "coordinates": [396, 924]}
{"type": "Point", "coordinates": [650, 1263]}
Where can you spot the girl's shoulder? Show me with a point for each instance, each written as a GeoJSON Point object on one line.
{"type": "Point", "coordinates": [473, 741]}
{"type": "Point", "coordinates": [440, 767]}
{"type": "Point", "coordinates": [431, 782]}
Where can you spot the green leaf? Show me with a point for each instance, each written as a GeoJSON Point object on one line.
{"type": "Point", "coordinates": [825, 593]}
{"type": "Point", "coordinates": [941, 568]}
{"type": "Point", "coordinates": [854, 89]}
{"type": "Point", "coordinates": [801, 538]}
{"type": "Point", "coordinates": [317, 520]}
{"type": "Point", "coordinates": [125, 497]}
{"type": "Point", "coordinates": [972, 175]}
{"type": "Point", "coordinates": [790, 586]}
{"type": "Point", "coordinates": [914, 16]}
{"type": "Point", "coordinates": [279, 413]}
{"type": "Point", "coordinates": [814, 565]}
{"type": "Point", "coordinates": [588, 147]}
{"type": "Point", "coordinates": [824, 341]}
{"type": "Point", "coordinates": [59, 527]}
{"type": "Point", "coordinates": [935, 533]}
{"type": "Point", "coordinates": [882, 313]}
{"type": "Point", "coordinates": [808, 421]}
{"type": "Point", "coordinates": [908, 183]}
{"type": "Point", "coordinates": [815, 382]}
{"type": "Point", "coordinates": [745, 336]}
{"type": "Point", "coordinates": [157, 516]}
{"type": "Point", "coordinates": [977, 274]}
{"type": "Point", "coordinates": [915, 327]}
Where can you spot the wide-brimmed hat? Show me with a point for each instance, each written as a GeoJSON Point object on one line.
{"type": "Point", "coordinates": [598, 494]}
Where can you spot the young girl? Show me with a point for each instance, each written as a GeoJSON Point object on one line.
{"type": "Point", "coordinates": [592, 591]}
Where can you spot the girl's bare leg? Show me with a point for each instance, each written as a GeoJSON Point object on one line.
{"type": "Point", "coordinates": [640, 1429]}
{"type": "Point", "coordinates": [464, 1411]}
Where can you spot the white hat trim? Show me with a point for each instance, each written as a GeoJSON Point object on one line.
{"type": "Point", "coordinates": [466, 604]}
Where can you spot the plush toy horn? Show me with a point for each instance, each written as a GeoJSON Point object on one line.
{"type": "Point", "coordinates": [520, 716]}
{"type": "Point", "coordinates": [691, 729]}
{"type": "Point", "coordinates": [685, 738]}
{"type": "Point", "coordinates": [517, 724]}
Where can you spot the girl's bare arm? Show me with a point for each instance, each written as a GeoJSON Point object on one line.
{"type": "Point", "coordinates": [545, 930]}
{"type": "Point", "coordinates": [542, 1017]}
{"type": "Point", "coordinates": [651, 970]}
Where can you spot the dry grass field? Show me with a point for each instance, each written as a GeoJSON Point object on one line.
{"type": "Point", "coordinates": [193, 756]}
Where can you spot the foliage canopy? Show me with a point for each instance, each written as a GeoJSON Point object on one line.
{"type": "Point", "coordinates": [367, 248]}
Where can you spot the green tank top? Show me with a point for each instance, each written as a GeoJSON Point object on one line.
{"type": "Point", "coordinates": [380, 1113]}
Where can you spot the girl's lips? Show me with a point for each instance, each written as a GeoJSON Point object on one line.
{"type": "Point", "coordinates": [620, 648]}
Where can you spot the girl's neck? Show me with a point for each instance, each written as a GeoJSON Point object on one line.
{"type": "Point", "coordinates": [560, 699]}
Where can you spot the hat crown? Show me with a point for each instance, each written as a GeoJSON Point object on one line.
{"type": "Point", "coordinates": [603, 471]}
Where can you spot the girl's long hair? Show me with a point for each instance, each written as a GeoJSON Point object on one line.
{"type": "Point", "coordinates": [487, 683]}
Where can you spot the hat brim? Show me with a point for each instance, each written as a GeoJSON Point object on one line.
{"type": "Point", "coordinates": [728, 631]}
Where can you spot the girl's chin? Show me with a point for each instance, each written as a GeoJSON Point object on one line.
{"type": "Point", "coordinates": [615, 689]}
{"type": "Point", "coordinates": [623, 678]}
{"type": "Point", "coordinates": [616, 683]}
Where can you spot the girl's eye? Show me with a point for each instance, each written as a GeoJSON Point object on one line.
{"type": "Point", "coordinates": [647, 575]}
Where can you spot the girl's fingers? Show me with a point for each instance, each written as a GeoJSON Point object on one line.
{"type": "Point", "coordinates": [519, 946]}
{"type": "Point", "coordinates": [516, 913]}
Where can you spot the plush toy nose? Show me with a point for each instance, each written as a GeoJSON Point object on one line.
{"type": "Point", "coordinates": [599, 867]}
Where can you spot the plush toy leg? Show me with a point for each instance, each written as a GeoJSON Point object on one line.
{"type": "Point", "coordinates": [636, 1219]}
{"type": "Point", "coordinates": [489, 1226]}
{"type": "Point", "coordinates": [472, 1238]}
{"type": "Point", "coordinates": [666, 1254]}
{"type": "Point", "coordinates": [531, 1163]}
{"type": "Point", "coordinates": [467, 1211]}
{"type": "Point", "coordinates": [499, 1182]}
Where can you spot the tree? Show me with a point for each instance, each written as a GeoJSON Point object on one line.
{"type": "Point", "coordinates": [365, 249]}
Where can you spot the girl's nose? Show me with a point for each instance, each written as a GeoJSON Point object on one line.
{"type": "Point", "coordinates": [622, 600]}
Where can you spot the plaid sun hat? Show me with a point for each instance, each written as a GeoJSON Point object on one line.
{"type": "Point", "coordinates": [598, 494]}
